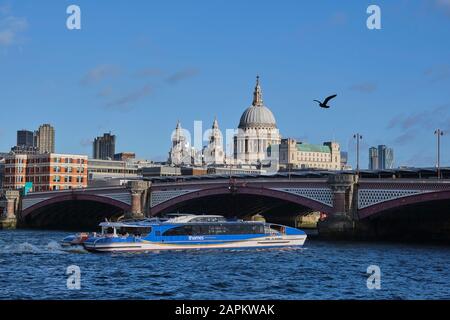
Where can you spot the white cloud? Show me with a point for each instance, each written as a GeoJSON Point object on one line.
{"type": "Point", "coordinates": [10, 29]}
{"type": "Point", "coordinates": [100, 73]}
{"type": "Point", "coordinates": [444, 5]}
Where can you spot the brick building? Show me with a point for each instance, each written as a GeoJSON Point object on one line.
{"type": "Point", "coordinates": [46, 172]}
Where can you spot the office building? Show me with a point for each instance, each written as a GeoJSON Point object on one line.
{"type": "Point", "coordinates": [45, 139]}
{"type": "Point", "coordinates": [26, 138]}
{"type": "Point", "coordinates": [381, 158]}
{"type": "Point", "coordinates": [124, 156]}
{"type": "Point", "coordinates": [301, 155]}
{"type": "Point", "coordinates": [110, 169]}
{"type": "Point", "coordinates": [104, 147]}
{"type": "Point", "coordinates": [373, 158]}
{"type": "Point", "coordinates": [46, 172]}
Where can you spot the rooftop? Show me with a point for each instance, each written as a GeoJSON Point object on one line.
{"type": "Point", "coordinates": [306, 147]}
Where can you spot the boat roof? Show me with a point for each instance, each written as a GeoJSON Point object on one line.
{"type": "Point", "coordinates": [176, 219]}
{"type": "Point", "coordinates": [131, 223]}
{"type": "Point", "coordinates": [184, 218]}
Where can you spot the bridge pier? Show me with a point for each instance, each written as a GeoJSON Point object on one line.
{"type": "Point", "coordinates": [341, 223]}
{"type": "Point", "coordinates": [10, 203]}
{"type": "Point", "coordinates": [139, 194]}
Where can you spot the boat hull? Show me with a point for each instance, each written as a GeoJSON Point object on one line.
{"type": "Point", "coordinates": [260, 242]}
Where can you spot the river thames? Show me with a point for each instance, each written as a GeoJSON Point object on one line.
{"type": "Point", "coordinates": [33, 266]}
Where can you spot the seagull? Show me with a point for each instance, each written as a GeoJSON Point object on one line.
{"type": "Point", "coordinates": [324, 103]}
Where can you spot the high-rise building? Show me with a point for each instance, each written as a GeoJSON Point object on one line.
{"type": "Point", "coordinates": [381, 158]}
{"type": "Point", "coordinates": [104, 147]}
{"type": "Point", "coordinates": [26, 138]}
{"type": "Point", "coordinates": [45, 139]}
{"type": "Point", "coordinates": [373, 158]}
{"type": "Point", "coordinates": [344, 159]}
{"type": "Point", "coordinates": [385, 157]}
{"type": "Point", "coordinates": [389, 158]}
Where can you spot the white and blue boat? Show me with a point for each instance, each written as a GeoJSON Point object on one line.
{"type": "Point", "coordinates": [187, 231]}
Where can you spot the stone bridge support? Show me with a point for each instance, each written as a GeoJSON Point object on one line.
{"type": "Point", "coordinates": [139, 199]}
{"type": "Point", "coordinates": [10, 206]}
{"type": "Point", "coordinates": [341, 223]}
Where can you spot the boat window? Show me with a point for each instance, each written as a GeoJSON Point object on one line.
{"type": "Point", "coordinates": [135, 231]}
{"type": "Point", "coordinates": [208, 219]}
{"type": "Point", "coordinates": [278, 228]}
{"type": "Point", "coordinates": [215, 229]}
{"type": "Point", "coordinates": [108, 230]}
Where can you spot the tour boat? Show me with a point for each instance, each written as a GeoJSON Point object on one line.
{"type": "Point", "coordinates": [187, 231]}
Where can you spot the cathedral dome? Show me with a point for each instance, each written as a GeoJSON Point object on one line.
{"type": "Point", "coordinates": [257, 115]}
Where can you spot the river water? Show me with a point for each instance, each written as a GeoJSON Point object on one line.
{"type": "Point", "coordinates": [33, 266]}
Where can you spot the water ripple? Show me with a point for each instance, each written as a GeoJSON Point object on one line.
{"type": "Point", "coordinates": [33, 265]}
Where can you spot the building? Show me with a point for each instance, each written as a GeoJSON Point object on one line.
{"type": "Point", "coordinates": [124, 156]}
{"type": "Point", "coordinates": [40, 141]}
{"type": "Point", "coordinates": [344, 161]}
{"type": "Point", "coordinates": [24, 150]}
{"type": "Point", "coordinates": [49, 171]}
{"type": "Point", "coordinates": [256, 147]}
{"type": "Point", "coordinates": [2, 168]}
{"type": "Point", "coordinates": [300, 155]}
{"type": "Point", "coordinates": [257, 131]}
{"type": "Point", "coordinates": [385, 157]}
{"type": "Point", "coordinates": [373, 158]}
{"type": "Point", "coordinates": [45, 139]}
{"type": "Point", "coordinates": [213, 153]}
{"type": "Point", "coordinates": [193, 171]}
{"type": "Point", "coordinates": [389, 159]}
{"type": "Point", "coordinates": [381, 158]}
{"type": "Point", "coordinates": [104, 147]}
{"type": "Point", "coordinates": [161, 171]}
{"type": "Point", "coordinates": [26, 138]}
{"type": "Point", "coordinates": [180, 153]}
{"type": "Point", "coordinates": [235, 170]}
{"type": "Point", "coordinates": [111, 169]}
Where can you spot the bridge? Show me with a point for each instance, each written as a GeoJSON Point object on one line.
{"type": "Point", "coordinates": [362, 204]}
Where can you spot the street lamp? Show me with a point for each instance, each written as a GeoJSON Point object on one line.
{"type": "Point", "coordinates": [439, 133]}
{"type": "Point", "coordinates": [358, 138]}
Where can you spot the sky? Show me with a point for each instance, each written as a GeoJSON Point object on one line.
{"type": "Point", "coordinates": [136, 67]}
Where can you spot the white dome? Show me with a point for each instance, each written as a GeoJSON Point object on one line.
{"type": "Point", "coordinates": [257, 115]}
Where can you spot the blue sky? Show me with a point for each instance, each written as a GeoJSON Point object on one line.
{"type": "Point", "coordinates": [137, 67]}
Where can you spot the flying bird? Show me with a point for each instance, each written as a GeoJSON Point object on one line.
{"type": "Point", "coordinates": [324, 103]}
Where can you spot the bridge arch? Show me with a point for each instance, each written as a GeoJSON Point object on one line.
{"type": "Point", "coordinates": [380, 208]}
{"type": "Point", "coordinates": [241, 190]}
{"type": "Point", "coordinates": [73, 210]}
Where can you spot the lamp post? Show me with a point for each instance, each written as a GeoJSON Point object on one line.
{"type": "Point", "coordinates": [358, 138]}
{"type": "Point", "coordinates": [439, 133]}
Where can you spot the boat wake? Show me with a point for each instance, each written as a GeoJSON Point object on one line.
{"type": "Point", "coordinates": [53, 247]}
{"type": "Point", "coordinates": [19, 248]}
